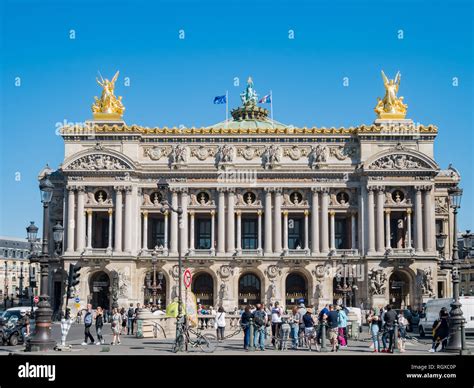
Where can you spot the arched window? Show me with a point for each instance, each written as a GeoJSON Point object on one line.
{"type": "Point", "coordinates": [296, 288]}
{"type": "Point", "coordinates": [203, 288]}
{"type": "Point", "coordinates": [249, 289]}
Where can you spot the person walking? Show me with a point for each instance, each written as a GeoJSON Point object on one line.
{"type": "Point", "coordinates": [373, 320]}
{"type": "Point", "coordinates": [389, 318]}
{"type": "Point", "coordinates": [321, 321]}
{"type": "Point", "coordinates": [116, 326]}
{"type": "Point", "coordinates": [260, 321]}
{"type": "Point", "coordinates": [341, 326]}
{"type": "Point", "coordinates": [332, 320]}
{"type": "Point", "coordinates": [124, 321]}
{"type": "Point", "coordinates": [245, 322]}
{"type": "Point", "coordinates": [220, 323]}
{"type": "Point", "coordinates": [440, 330]}
{"type": "Point", "coordinates": [88, 318]}
{"type": "Point", "coordinates": [277, 312]}
{"type": "Point", "coordinates": [99, 323]}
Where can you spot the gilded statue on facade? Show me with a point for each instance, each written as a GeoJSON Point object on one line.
{"type": "Point", "coordinates": [108, 106]}
{"type": "Point", "coordinates": [391, 106]}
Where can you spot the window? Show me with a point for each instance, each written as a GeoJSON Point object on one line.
{"type": "Point", "coordinates": [471, 279]}
{"type": "Point", "coordinates": [100, 229]}
{"type": "Point", "coordinates": [157, 237]}
{"type": "Point", "coordinates": [203, 233]}
{"type": "Point", "coordinates": [249, 233]}
{"type": "Point", "coordinates": [341, 233]}
{"type": "Point", "coordinates": [295, 233]}
{"type": "Point", "coordinates": [14, 254]}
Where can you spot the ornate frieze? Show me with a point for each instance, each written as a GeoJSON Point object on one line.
{"type": "Point", "coordinates": [158, 152]}
{"type": "Point", "coordinates": [98, 162]}
{"type": "Point", "coordinates": [179, 156]}
{"type": "Point", "coordinates": [272, 156]}
{"type": "Point", "coordinates": [318, 156]}
{"type": "Point", "coordinates": [398, 162]}
{"type": "Point", "coordinates": [203, 152]}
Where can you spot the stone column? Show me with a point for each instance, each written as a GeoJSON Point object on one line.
{"type": "Point", "coordinates": [221, 222]}
{"type": "Point", "coordinates": [70, 217]}
{"type": "Point", "coordinates": [118, 220]}
{"type": "Point", "coordinates": [418, 221]}
{"type": "Point", "coordinates": [89, 229]}
{"type": "Point", "coordinates": [109, 245]}
{"type": "Point", "coordinates": [128, 220]}
{"type": "Point", "coordinates": [408, 243]}
{"type": "Point", "coordinates": [427, 219]}
{"type": "Point", "coordinates": [380, 220]}
{"type": "Point", "coordinates": [315, 221]}
{"type": "Point", "coordinates": [183, 229]}
{"type": "Point", "coordinates": [325, 220]}
{"type": "Point", "coordinates": [213, 231]}
{"type": "Point", "coordinates": [268, 221]}
{"type": "Point", "coordinates": [306, 231]}
{"type": "Point", "coordinates": [230, 221]}
{"type": "Point", "coordinates": [165, 237]}
{"type": "Point", "coordinates": [277, 222]}
{"type": "Point", "coordinates": [285, 232]}
{"type": "Point", "coordinates": [145, 231]}
{"type": "Point", "coordinates": [353, 230]}
{"type": "Point", "coordinates": [332, 215]}
{"type": "Point", "coordinates": [239, 231]}
{"type": "Point", "coordinates": [259, 235]}
{"type": "Point", "coordinates": [371, 219]}
{"type": "Point", "coordinates": [81, 227]}
{"type": "Point", "coordinates": [191, 232]}
{"type": "Point", "coordinates": [387, 229]}
{"type": "Point", "coordinates": [174, 223]}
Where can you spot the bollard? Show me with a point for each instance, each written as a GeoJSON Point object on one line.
{"type": "Point", "coordinates": [395, 337]}
{"type": "Point", "coordinates": [323, 337]}
{"type": "Point", "coordinates": [251, 347]}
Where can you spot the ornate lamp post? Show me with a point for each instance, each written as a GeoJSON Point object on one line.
{"type": "Point", "coordinates": [163, 185]}
{"type": "Point", "coordinates": [58, 234]}
{"type": "Point", "coordinates": [20, 293]}
{"type": "Point", "coordinates": [32, 232]}
{"type": "Point", "coordinates": [42, 337]}
{"type": "Point", "coordinates": [457, 338]}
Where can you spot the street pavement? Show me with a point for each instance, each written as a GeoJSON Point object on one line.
{"type": "Point", "coordinates": [130, 345]}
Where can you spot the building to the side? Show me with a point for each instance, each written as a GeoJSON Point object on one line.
{"type": "Point", "coordinates": [272, 212]}
{"type": "Point", "coordinates": [15, 270]}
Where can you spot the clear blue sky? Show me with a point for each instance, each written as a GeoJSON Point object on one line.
{"type": "Point", "coordinates": [173, 81]}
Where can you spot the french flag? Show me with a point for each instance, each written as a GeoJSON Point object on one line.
{"type": "Point", "coordinates": [266, 99]}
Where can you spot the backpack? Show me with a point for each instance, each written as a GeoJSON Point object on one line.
{"type": "Point", "coordinates": [259, 321]}
{"type": "Point", "coordinates": [88, 318]}
{"type": "Point", "coordinates": [130, 312]}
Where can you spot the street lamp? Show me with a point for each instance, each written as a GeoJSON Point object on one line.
{"type": "Point", "coordinates": [456, 338]}
{"type": "Point", "coordinates": [32, 232]}
{"type": "Point", "coordinates": [440, 244]}
{"type": "Point", "coordinates": [58, 234]}
{"type": "Point", "coordinates": [164, 186]}
{"type": "Point", "coordinates": [347, 286]}
{"type": "Point", "coordinates": [42, 337]}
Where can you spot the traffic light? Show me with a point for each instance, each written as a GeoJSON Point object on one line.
{"type": "Point", "coordinates": [73, 278]}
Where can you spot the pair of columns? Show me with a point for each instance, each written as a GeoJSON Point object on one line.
{"type": "Point", "coordinates": [145, 231]}
{"type": "Point", "coordinates": [380, 239]}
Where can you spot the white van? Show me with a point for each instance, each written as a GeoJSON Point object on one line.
{"type": "Point", "coordinates": [433, 306]}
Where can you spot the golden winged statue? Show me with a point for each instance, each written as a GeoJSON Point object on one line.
{"type": "Point", "coordinates": [108, 106]}
{"type": "Point", "coordinates": [391, 106]}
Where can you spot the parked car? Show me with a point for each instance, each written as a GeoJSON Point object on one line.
{"type": "Point", "coordinates": [12, 315]}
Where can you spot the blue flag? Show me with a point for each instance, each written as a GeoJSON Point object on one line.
{"type": "Point", "coordinates": [220, 99]}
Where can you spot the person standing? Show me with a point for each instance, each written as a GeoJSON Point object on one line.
{"type": "Point", "coordinates": [440, 330]}
{"type": "Point", "coordinates": [295, 326]}
{"type": "Point", "coordinates": [135, 316]}
{"type": "Point", "coordinates": [245, 322]}
{"type": "Point", "coordinates": [99, 323]}
{"type": "Point", "coordinates": [88, 318]}
{"type": "Point", "coordinates": [124, 320]}
{"type": "Point", "coordinates": [341, 326]}
{"type": "Point", "coordinates": [332, 319]}
{"type": "Point", "coordinates": [277, 312]}
{"type": "Point", "coordinates": [220, 323]}
{"type": "Point", "coordinates": [389, 318]}
{"type": "Point", "coordinates": [130, 314]}
{"type": "Point", "coordinates": [116, 326]}
{"type": "Point", "coordinates": [402, 331]}
{"type": "Point", "coordinates": [373, 320]}
{"type": "Point", "coordinates": [260, 321]}
{"type": "Point", "coordinates": [321, 321]}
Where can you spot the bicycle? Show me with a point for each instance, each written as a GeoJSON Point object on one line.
{"type": "Point", "coordinates": [206, 342]}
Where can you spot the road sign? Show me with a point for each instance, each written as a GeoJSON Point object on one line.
{"type": "Point", "coordinates": [36, 299]}
{"type": "Point", "coordinates": [77, 300]}
{"type": "Point", "coordinates": [78, 305]}
{"type": "Point", "coordinates": [187, 278]}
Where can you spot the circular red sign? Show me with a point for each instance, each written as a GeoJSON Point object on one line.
{"type": "Point", "coordinates": [187, 277]}
{"type": "Point", "coordinates": [36, 299]}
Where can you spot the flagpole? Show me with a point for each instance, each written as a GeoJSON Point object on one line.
{"type": "Point", "coordinates": [271, 107]}
{"type": "Point", "coordinates": [226, 107]}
